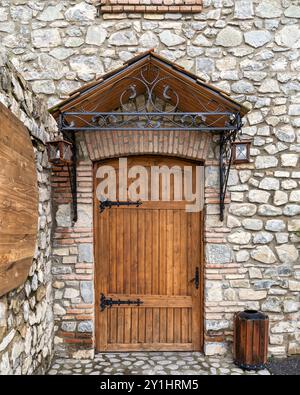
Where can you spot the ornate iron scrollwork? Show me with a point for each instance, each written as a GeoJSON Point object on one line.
{"type": "Point", "coordinates": [141, 108]}
{"type": "Point", "coordinates": [155, 113]}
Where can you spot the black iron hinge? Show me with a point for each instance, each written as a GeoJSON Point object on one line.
{"type": "Point", "coordinates": [109, 204]}
{"type": "Point", "coordinates": [109, 302]}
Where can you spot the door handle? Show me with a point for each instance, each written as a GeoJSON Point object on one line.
{"type": "Point", "coordinates": [197, 278]}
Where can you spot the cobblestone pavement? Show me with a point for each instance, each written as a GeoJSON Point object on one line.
{"type": "Point", "coordinates": [174, 363]}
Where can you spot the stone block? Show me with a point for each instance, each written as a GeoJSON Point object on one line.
{"type": "Point", "coordinates": [291, 306]}
{"type": "Point", "coordinates": [85, 327]}
{"type": "Point", "coordinates": [63, 216]}
{"type": "Point", "coordinates": [214, 291]}
{"type": "Point", "coordinates": [283, 327]}
{"type": "Point", "coordinates": [263, 254]}
{"type": "Point", "coordinates": [272, 304]}
{"type": "Point", "coordinates": [294, 285]}
{"type": "Point", "coordinates": [239, 237]}
{"type": "Point", "coordinates": [275, 225]}
{"type": "Point", "coordinates": [87, 291]}
{"type": "Point", "coordinates": [257, 196]}
{"type": "Point", "coordinates": [229, 37]}
{"type": "Point", "coordinates": [71, 293]}
{"type": "Point", "coordinates": [287, 253]}
{"type": "Point", "coordinates": [249, 294]}
{"type": "Point", "coordinates": [215, 348]}
{"type": "Point", "coordinates": [85, 253]}
{"type": "Point", "coordinates": [216, 325]}
{"type": "Point", "coordinates": [218, 253]}
{"type": "Point", "coordinates": [81, 12]}
{"type": "Point", "coordinates": [243, 209]}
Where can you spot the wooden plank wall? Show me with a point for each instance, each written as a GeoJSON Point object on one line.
{"type": "Point", "coordinates": [18, 202]}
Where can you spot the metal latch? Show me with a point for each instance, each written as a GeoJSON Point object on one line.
{"type": "Point", "coordinates": [109, 204]}
{"type": "Point", "coordinates": [197, 278]}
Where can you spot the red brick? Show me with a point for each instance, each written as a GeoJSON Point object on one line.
{"type": "Point", "coordinates": [154, 6]}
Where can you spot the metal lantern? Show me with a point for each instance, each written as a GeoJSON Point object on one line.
{"type": "Point", "coordinates": [59, 151]}
{"type": "Point", "coordinates": [241, 152]}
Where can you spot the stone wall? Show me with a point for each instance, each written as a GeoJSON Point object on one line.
{"type": "Point", "coordinates": [26, 318]}
{"type": "Point", "coordinates": [250, 49]}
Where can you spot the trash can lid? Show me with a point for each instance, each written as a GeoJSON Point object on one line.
{"type": "Point", "coordinates": [253, 315]}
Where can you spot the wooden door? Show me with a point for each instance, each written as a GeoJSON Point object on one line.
{"type": "Point", "coordinates": [149, 253]}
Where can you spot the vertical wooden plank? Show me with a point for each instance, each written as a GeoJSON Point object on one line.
{"type": "Point", "coordinates": [141, 273]}
{"type": "Point", "coordinates": [155, 252]}
{"type": "Point", "coordinates": [113, 252]}
{"type": "Point", "coordinates": [163, 325]}
{"type": "Point", "coordinates": [177, 274]}
{"type": "Point", "coordinates": [120, 276]}
{"type": "Point", "coordinates": [170, 325]}
{"type": "Point", "coordinates": [149, 325]}
{"type": "Point", "coordinates": [120, 324]}
{"type": "Point", "coordinates": [127, 325]}
{"type": "Point", "coordinates": [120, 252]}
{"type": "Point", "coordinates": [134, 240]}
{"type": "Point", "coordinates": [134, 325]}
{"type": "Point", "coordinates": [142, 325]}
{"type": "Point", "coordinates": [184, 287]}
{"type": "Point", "coordinates": [155, 271]}
{"type": "Point", "coordinates": [103, 256]}
{"type": "Point", "coordinates": [190, 326]}
{"type": "Point", "coordinates": [148, 253]}
{"type": "Point", "coordinates": [194, 226]}
{"type": "Point", "coordinates": [141, 252]}
{"type": "Point", "coordinates": [170, 274]}
{"type": "Point", "coordinates": [113, 326]}
{"type": "Point", "coordinates": [170, 260]}
{"type": "Point", "coordinates": [127, 251]}
{"type": "Point", "coordinates": [162, 252]}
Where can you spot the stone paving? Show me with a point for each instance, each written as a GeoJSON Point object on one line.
{"type": "Point", "coordinates": [173, 363]}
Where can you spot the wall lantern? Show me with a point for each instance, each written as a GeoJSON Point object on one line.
{"type": "Point", "coordinates": [59, 152]}
{"type": "Point", "coordinates": [62, 152]}
{"type": "Point", "coordinates": [241, 152]}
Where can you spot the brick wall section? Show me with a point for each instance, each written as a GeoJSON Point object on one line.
{"type": "Point", "coordinates": [190, 145]}
{"type": "Point", "coordinates": [150, 6]}
{"type": "Point", "coordinates": [73, 254]}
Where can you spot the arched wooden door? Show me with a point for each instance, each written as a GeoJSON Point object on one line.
{"type": "Point", "coordinates": [153, 253]}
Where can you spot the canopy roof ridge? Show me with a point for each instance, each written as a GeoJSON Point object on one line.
{"type": "Point", "coordinates": [138, 60]}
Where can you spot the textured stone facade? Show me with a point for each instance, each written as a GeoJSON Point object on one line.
{"type": "Point", "coordinates": [250, 49]}
{"type": "Point", "coordinates": [26, 317]}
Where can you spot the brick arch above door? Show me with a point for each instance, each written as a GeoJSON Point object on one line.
{"type": "Point", "coordinates": [183, 144]}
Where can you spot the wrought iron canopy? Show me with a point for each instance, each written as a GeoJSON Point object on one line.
{"type": "Point", "coordinates": [151, 100]}
{"type": "Point", "coordinates": [151, 93]}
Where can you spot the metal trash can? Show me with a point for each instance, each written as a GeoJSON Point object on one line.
{"type": "Point", "coordinates": [251, 337]}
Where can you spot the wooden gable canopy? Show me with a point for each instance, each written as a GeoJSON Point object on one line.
{"type": "Point", "coordinates": [186, 101]}
{"type": "Point", "coordinates": [172, 99]}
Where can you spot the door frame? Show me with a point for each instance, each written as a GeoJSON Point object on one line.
{"type": "Point", "coordinates": [97, 272]}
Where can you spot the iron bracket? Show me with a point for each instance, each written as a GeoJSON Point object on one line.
{"type": "Point", "coordinates": [225, 161]}
{"type": "Point", "coordinates": [72, 168]}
